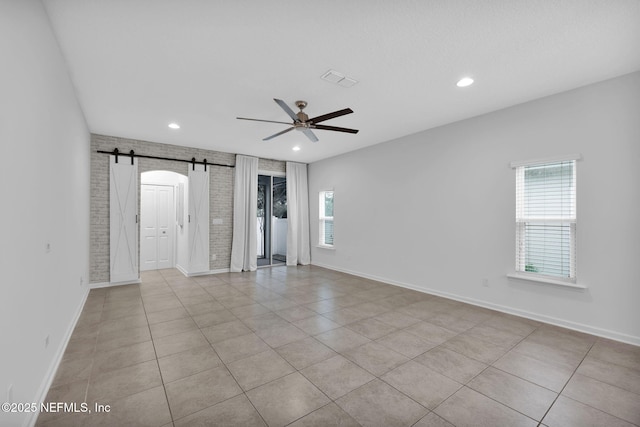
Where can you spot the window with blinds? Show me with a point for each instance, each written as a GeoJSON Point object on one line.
{"type": "Point", "coordinates": [546, 219]}
{"type": "Point", "coordinates": [326, 218]}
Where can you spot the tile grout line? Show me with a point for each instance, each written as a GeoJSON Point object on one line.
{"type": "Point", "coordinates": [565, 384]}
{"type": "Point", "coordinates": [153, 343]}
{"type": "Point", "coordinates": [244, 392]}
{"type": "Point", "coordinates": [210, 345]}
{"type": "Point", "coordinates": [221, 361]}
{"type": "Point", "coordinates": [480, 373]}
{"type": "Point", "coordinates": [95, 347]}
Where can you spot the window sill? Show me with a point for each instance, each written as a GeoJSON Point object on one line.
{"type": "Point", "coordinates": [331, 248]}
{"type": "Point", "coordinates": [544, 279]}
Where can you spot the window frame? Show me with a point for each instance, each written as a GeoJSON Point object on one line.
{"type": "Point", "coordinates": [521, 271]}
{"type": "Point", "coordinates": [323, 219]}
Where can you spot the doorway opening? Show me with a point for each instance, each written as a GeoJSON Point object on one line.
{"type": "Point", "coordinates": [272, 220]}
{"type": "Point", "coordinates": [162, 234]}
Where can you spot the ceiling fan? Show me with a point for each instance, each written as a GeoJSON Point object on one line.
{"type": "Point", "coordinates": [303, 123]}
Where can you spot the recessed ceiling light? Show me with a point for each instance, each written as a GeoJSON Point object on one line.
{"type": "Point", "coordinates": [296, 148]}
{"type": "Point", "coordinates": [464, 82]}
{"type": "Point", "coordinates": [174, 126]}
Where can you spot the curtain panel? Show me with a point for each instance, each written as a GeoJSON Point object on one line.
{"type": "Point", "coordinates": [244, 245]}
{"type": "Point", "coordinates": [298, 247]}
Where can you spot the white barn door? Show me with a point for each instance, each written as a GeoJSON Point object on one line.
{"type": "Point", "coordinates": [123, 202]}
{"type": "Point", "coordinates": [198, 219]}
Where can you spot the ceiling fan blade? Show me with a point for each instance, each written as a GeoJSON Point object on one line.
{"type": "Point", "coordinates": [312, 136]}
{"type": "Point", "coordinates": [323, 127]}
{"type": "Point", "coordinates": [328, 116]}
{"type": "Point", "coordinates": [260, 120]}
{"type": "Point", "coordinates": [287, 110]}
{"type": "Point", "coordinates": [278, 134]}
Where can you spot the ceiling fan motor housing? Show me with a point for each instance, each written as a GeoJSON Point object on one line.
{"type": "Point", "coordinates": [301, 115]}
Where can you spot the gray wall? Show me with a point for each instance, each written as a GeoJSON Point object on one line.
{"type": "Point", "coordinates": [44, 182]}
{"type": "Point", "coordinates": [436, 210]}
{"type": "Point", "coordinates": [220, 193]}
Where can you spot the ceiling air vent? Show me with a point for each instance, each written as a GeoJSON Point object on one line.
{"type": "Point", "coordinates": [340, 79]}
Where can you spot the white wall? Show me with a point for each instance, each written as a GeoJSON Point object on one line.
{"type": "Point", "coordinates": [44, 181]}
{"type": "Point", "coordinates": [436, 210]}
{"type": "Point", "coordinates": [279, 227]}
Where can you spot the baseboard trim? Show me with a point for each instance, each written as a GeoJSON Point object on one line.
{"type": "Point", "coordinates": [182, 270]}
{"type": "Point", "coordinates": [201, 273]}
{"type": "Point", "coordinates": [41, 395]}
{"type": "Point", "coordinates": [110, 284]}
{"type": "Point", "coordinates": [580, 327]}
{"type": "Point", "coordinates": [205, 273]}
{"type": "Point", "coordinates": [138, 281]}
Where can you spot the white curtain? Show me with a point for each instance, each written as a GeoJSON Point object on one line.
{"type": "Point", "coordinates": [245, 205]}
{"type": "Point", "coordinates": [298, 248]}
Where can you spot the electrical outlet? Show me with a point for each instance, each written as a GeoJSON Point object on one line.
{"type": "Point", "coordinates": [47, 247]}
{"type": "Point", "coordinates": [10, 393]}
{"type": "Point", "coordinates": [46, 341]}
{"type": "Point", "coordinates": [485, 283]}
{"type": "Point", "coordinates": [214, 257]}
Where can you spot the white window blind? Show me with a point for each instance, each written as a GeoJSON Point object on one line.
{"type": "Point", "coordinates": [546, 219]}
{"type": "Point", "coordinates": [326, 218]}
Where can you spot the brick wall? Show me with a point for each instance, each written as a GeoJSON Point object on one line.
{"type": "Point", "coordinates": [220, 194]}
{"type": "Point", "coordinates": [269, 165]}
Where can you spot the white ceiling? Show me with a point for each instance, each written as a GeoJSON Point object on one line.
{"type": "Point", "coordinates": [139, 64]}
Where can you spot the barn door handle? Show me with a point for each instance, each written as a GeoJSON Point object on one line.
{"type": "Point", "coordinates": [189, 216]}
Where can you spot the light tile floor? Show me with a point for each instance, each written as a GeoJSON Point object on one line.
{"type": "Point", "coordinates": [307, 346]}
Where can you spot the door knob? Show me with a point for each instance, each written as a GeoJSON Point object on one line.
{"type": "Point", "coordinates": [164, 232]}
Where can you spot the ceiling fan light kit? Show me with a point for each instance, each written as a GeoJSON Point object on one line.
{"type": "Point", "coordinates": [302, 122]}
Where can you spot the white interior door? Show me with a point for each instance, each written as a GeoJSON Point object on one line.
{"type": "Point", "coordinates": [198, 219]}
{"type": "Point", "coordinates": [148, 228]}
{"type": "Point", "coordinates": [166, 226]}
{"type": "Point", "coordinates": [157, 225]}
{"type": "Point", "coordinates": [123, 200]}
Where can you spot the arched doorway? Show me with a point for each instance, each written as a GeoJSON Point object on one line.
{"type": "Point", "coordinates": [163, 237]}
